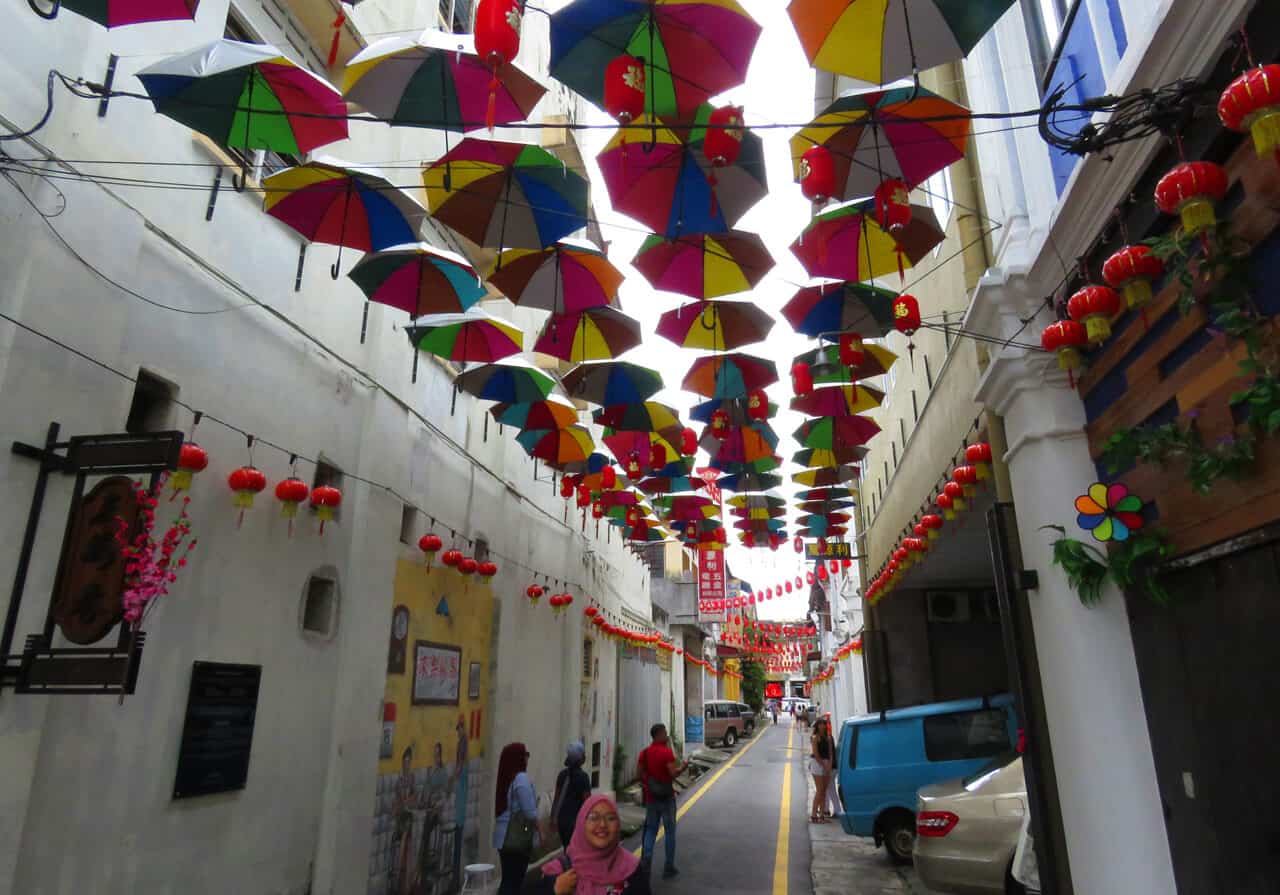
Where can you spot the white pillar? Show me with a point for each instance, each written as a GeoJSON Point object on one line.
{"type": "Point", "coordinates": [1111, 808]}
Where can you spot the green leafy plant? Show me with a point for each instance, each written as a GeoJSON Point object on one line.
{"type": "Point", "coordinates": [1212, 268]}
{"type": "Point", "coordinates": [753, 680]}
{"type": "Point", "coordinates": [1231, 457]}
{"type": "Point", "coordinates": [1085, 565]}
{"type": "Point", "coordinates": [1132, 564]}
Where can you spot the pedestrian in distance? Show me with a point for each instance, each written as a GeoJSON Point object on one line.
{"type": "Point", "coordinates": [821, 752]}
{"type": "Point", "coordinates": [594, 863]}
{"type": "Point", "coordinates": [773, 707]}
{"type": "Point", "coordinates": [658, 769]}
{"type": "Point", "coordinates": [515, 828]}
{"type": "Point", "coordinates": [573, 785]}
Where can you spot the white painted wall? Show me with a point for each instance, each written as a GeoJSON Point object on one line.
{"type": "Point", "coordinates": [84, 806]}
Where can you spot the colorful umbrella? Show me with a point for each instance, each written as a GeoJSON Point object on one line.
{"type": "Point", "coordinates": [838, 400]}
{"type": "Point", "coordinates": [471, 336]}
{"type": "Point", "coordinates": [593, 334]}
{"type": "Point", "coordinates": [836, 456]}
{"type": "Point", "coordinates": [765, 525]}
{"type": "Point", "coordinates": [568, 445]}
{"type": "Point", "coordinates": [687, 506]}
{"type": "Point", "coordinates": [841, 307]}
{"type": "Point", "coordinates": [880, 42]}
{"type": "Point", "coordinates": [515, 381]}
{"type": "Point", "coordinates": [742, 444]}
{"type": "Point", "coordinates": [734, 467]}
{"type": "Point", "coordinates": [830, 518]}
{"type": "Point", "coordinates": [437, 81]}
{"type": "Point", "coordinates": [693, 49]}
{"type": "Point", "coordinates": [847, 243]}
{"type": "Point", "coordinates": [624, 444]}
{"type": "Point", "coordinates": [499, 194]}
{"type": "Point", "coordinates": [739, 414]}
{"type": "Point", "coordinates": [715, 325]}
{"type": "Point", "coordinates": [750, 482]}
{"type": "Point", "coordinates": [564, 278]}
{"type": "Point", "coordinates": [729, 375]}
{"type": "Point", "coordinates": [552, 412]}
{"type": "Point", "coordinates": [823, 506]}
{"type": "Point", "coordinates": [831, 431]}
{"type": "Point", "coordinates": [249, 96]}
{"type": "Point", "coordinates": [668, 184]}
{"type": "Point", "coordinates": [817, 477]}
{"type": "Point", "coordinates": [822, 530]}
{"type": "Point", "coordinates": [592, 465]}
{"type": "Point", "coordinates": [704, 265]}
{"type": "Point", "coordinates": [612, 382]}
{"type": "Point", "coordinates": [750, 501]}
{"type": "Point", "coordinates": [828, 493]}
{"type": "Point", "coordinates": [644, 416]}
{"type": "Point", "coordinates": [825, 367]}
{"type": "Point", "coordinates": [115, 13]}
{"type": "Point", "coordinates": [907, 133]}
{"type": "Point", "coordinates": [681, 484]}
{"type": "Point", "coordinates": [418, 279]}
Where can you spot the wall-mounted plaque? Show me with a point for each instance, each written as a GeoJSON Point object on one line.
{"type": "Point", "coordinates": [398, 649]}
{"type": "Point", "coordinates": [87, 603]}
{"type": "Point", "coordinates": [437, 673]}
{"type": "Point", "coordinates": [217, 735]}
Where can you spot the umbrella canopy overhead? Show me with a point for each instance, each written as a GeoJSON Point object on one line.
{"type": "Point", "coordinates": [838, 400]}
{"type": "Point", "coordinates": [817, 477]}
{"type": "Point", "coordinates": [599, 333]}
{"type": "Point", "coordinates": [704, 265]}
{"type": "Point", "coordinates": [729, 375]}
{"type": "Point", "coordinates": [500, 195]}
{"type": "Point", "coordinates": [841, 307]}
{"type": "Point", "coordinates": [116, 13]}
{"type": "Point", "coordinates": [668, 184]}
{"type": "Point", "coordinates": [737, 408]}
{"type": "Point", "coordinates": [751, 501]}
{"type": "Point", "coordinates": [436, 81]}
{"type": "Point", "coordinates": [825, 367]}
{"type": "Point", "coordinates": [831, 431]}
{"type": "Point", "coordinates": [470, 336]}
{"type": "Point", "coordinates": [418, 279]}
{"type": "Point", "coordinates": [908, 133]}
{"type": "Point", "coordinates": [750, 482]}
{"type": "Point", "coordinates": [716, 325]}
{"type": "Point", "coordinates": [680, 484]}
{"type": "Point", "coordinates": [569, 276]}
{"type": "Point", "coordinates": [870, 42]}
{"type": "Point", "coordinates": [823, 506]}
{"type": "Point", "coordinates": [568, 445]}
{"type": "Point", "coordinates": [514, 381]}
{"type": "Point", "coordinates": [552, 412]}
{"type": "Point", "coordinates": [248, 96]}
{"type": "Point", "coordinates": [828, 493]}
{"type": "Point", "coordinates": [612, 382]}
{"type": "Point", "coordinates": [645, 416]}
{"type": "Point", "coordinates": [846, 242]}
{"type": "Point", "coordinates": [827, 457]}
{"type": "Point", "coordinates": [693, 49]}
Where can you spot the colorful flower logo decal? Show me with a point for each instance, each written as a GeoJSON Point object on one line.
{"type": "Point", "coordinates": [1109, 512]}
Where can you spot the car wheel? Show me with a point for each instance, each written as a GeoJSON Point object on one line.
{"type": "Point", "coordinates": [730, 737]}
{"type": "Point", "coordinates": [898, 829]}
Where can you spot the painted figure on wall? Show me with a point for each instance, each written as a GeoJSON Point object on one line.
{"type": "Point", "coordinates": [406, 801]}
{"type": "Point", "coordinates": [460, 793]}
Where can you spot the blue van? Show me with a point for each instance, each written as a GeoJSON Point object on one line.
{"type": "Point", "coordinates": [885, 757]}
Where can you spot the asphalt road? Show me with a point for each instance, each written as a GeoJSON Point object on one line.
{"type": "Point", "coordinates": [742, 829]}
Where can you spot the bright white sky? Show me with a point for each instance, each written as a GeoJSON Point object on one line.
{"type": "Point", "coordinates": [779, 88]}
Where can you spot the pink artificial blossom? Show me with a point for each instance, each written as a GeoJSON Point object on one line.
{"type": "Point", "coordinates": [151, 565]}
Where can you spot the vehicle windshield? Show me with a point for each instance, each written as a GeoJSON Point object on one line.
{"type": "Point", "coordinates": [978, 777]}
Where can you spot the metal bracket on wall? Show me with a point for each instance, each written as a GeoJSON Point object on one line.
{"type": "Point", "coordinates": [107, 83]}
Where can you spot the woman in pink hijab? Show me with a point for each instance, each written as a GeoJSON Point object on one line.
{"type": "Point", "coordinates": [595, 862]}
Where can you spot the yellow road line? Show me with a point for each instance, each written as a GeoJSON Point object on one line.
{"type": "Point", "coordinates": [693, 799]}
{"type": "Point", "coordinates": [783, 854]}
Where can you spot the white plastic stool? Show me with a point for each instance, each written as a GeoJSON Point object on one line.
{"type": "Point", "coordinates": [478, 878]}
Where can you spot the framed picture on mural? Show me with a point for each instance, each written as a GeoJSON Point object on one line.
{"type": "Point", "coordinates": [399, 638]}
{"type": "Point", "coordinates": [437, 673]}
{"type": "Point", "coordinates": [473, 680]}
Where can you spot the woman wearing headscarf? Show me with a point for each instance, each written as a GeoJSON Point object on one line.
{"type": "Point", "coordinates": [514, 799]}
{"type": "Point", "coordinates": [572, 788]}
{"type": "Point", "coordinates": [594, 862]}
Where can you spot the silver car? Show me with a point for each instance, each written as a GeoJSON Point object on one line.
{"type": "Point", "coordinates": [967, 829]}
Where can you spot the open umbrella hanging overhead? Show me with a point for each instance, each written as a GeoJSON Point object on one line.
{"type": "Point", "coordinates": [681, 484]}
{"type": "Point", "coordinates": [506, 195]}
{"type": "Point", "coordinates": [838, 400]}
{"type": "Point", "coordinates": [552, 412]}
{"type": "Point", "coordinates": [117, 13]}
{"type": "Point", "coordinates": [729, 375]}
{"type": "Point", "coordinates": [826, 367]}
{"type": "Point", "coordinates": [704, 265]}
{"type": "Point", "coordinates": [612, 382]}
{"type": "Point", "coordinates": [598, 333]}
{"type": "Point", "coordinates": [248, 96]}
{"type": "Point", "coordinates": [558, 446]}
{"type": "Point", "coordinates": [436, 80]}
{"type": "Point", "coordinates": [831, 308]}
{"type": "Point", "coordinates": [907, 134]}
{"type": "Point", "coordinates": [834, 456]}
{"type": "Point", "coordinates": [471, 336]}
{"type": "Point", "coordinates": [716, 325]}
{"type": "Point", "coordinates": [830, 431]}
{"type": "Point", "coordinates": [825, 476]}
{"type": "Point", "coordinates": [750, 482]}
{"type": "Point", "coordinates": [890, 39]}
{"type": "Point", "coordinates": [692, 49]}
{"type": "Point", "coordinates": [511, 381]}
{"type": "Point", "coordinates": [846, 242]}
{"type": "Point", "coordinates": [569, 276]}
{"type": "Point", "coordinates": [418, 279]}
{"type": "Point", "coordinates": [833, 492]}
{"type": "Point", "coordinates": [643, 416]}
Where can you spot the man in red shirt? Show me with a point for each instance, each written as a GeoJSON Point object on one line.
{"type": "Point", "coordinates": [658, 769]}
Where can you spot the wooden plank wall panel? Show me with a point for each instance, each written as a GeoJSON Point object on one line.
{"type": "Point", "coordinates": [1202, 383]}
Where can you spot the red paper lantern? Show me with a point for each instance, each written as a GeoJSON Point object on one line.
{"type": "Point", "coordinates": [657, 456]}
{"type": "Point", "coordinates": [624, 88]}
{"type": "Point", "coordinates": [932, 522]}
{"type": "Point", "coordinates": [467, 565]}
{"type": "Point", "coordinates": [1094, 306]}
{"type": "Point", "coordinates": [487, 569]}
{"type": "Point", "coordinates": [1252, 103]}
{"type": "Point", "coordinates": [633, 516]}
{"type": "Point", "coordinates": [590, 611]}
{"type": "Point", "coordinates": [191, 459]}
{"type": "Point", "coordinates": [534, 592]}
{"type": "Point", "coordinates": [566, 487]}
{"type": "Point", "coordinates": [788, 587]}
{"type": "Point", "coordinates": [955, 491]}
{"type": "Point", "coordinates": [246, 482]}
{"type": "Point", "coordinates": [724, 133]}
{"type": "Point", "coordinates": [1132, 270]}
{"type": "Point", "coordinates": [1065, 338]}
{"type": "Point", "coordinates": [852, 352]}
{"type": "Point", "coordinates": [325, 499]}
{"type": "Point", "coordinates": [799, 581]}
{"type": "Point", "coordinates": [451, 558]}
{"type": "Point", "coordinates": [979, 456]}
{"type": "Point", "coordinates": [906, 314]}
{"type": "Point", "coordinates": [608, 478]}
{"type": "Point", "coordinates": [688, 442]}
{"type": "Point", "coordinates": [817, 175]}
{"type": "Point", "coordinates": [801, 379]}
{"type": "Point", "coordinates": [633, 468]}
{"type": "Point", "coordinates": [1190, 190]}
{"type": "Point", "coordinates": [967, 476]}
{"type": "Point", "coordinates": [584, 496]}
{"type": "Point", "coordinates": [720, 424]}
{"type": "Point", "coordinates": [798, 543]}
{"type": "Point", "coordinates": [597, 510]}
{"type": "Point", "coordinates": [920, 530]}
{"type": "Point", "coordinates": [944, 503]}
{"type": "Point", "coordinates": [497, 41]}
{"type": "Point", "coordinates": [893, 206]}
{"type": "Point", "coordinates": [822, 573]}
{"type": "Point", "coordinates": [430, 545]}
{"type": "Point", "coordinates": [291, 492]}
{"type": "Point", "coordinates": [758, 404]}
{"type": "Point", "coordinates": [691, 530]}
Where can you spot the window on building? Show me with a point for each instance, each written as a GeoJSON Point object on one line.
{"type": "Point", "coordinates": [961, 736]}
{"type": "Point", "coordinates": [480, 550]}
{"type": "Point", "coordinates": [456, 15]}
{"type": "Point", "coordinates": [588, 647]}
{"type": "Point", "coordinates": [152, 407]}
{"type": "Point", "coordinates": [408, 523]}
{"type": "Point", "coordinates": [941, 199]}
{"type": "Point", "coordinates": [319, 604]}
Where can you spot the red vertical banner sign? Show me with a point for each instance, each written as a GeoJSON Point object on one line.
{"type": "Point", "coordinates": [711, 585]}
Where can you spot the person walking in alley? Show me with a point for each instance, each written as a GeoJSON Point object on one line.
{"type": "Point", "coordinates": [572, 788]}
{"type": "Point", "coordinates": [821, 752]}
{"type": "Point", "coordinates": [515, 828]}
{"type": "Point", "coordinates": [658, 770]}
{"type": "Point", "coordinates": [594, 862]}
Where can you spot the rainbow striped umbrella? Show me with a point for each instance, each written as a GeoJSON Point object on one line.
{"type": "Point", "coordinates": [552, 412]}
{"type": "Point", "coordinates": [471, 336]}
{"type": "Point", "coordinates": [824, 506]}
{"type": "Point", "coordinates": [693, 49]}
{"type": "Point", "coordinates": [704, 265]}
{"type": "Point", "coordinates": [838, 400]}
{"type": "Point", "coordinates": [750, 481]}
{"type": "Point", "coordinates": [564, 278]}
{"type": "Point", "coordinates": [115, 13]}
{"type": "Point", "coordinates": [824, 364]}
{"type": "Point", "coordinates": [716, 325]}
{"type": "Point", "coordinates": [831, 308]}
{"type": "Point", "coordinates": [830, 431]}
{"type": "Point", "coordinates": [729, 375]}
{"type": "Point", "coordinates": [612, 382]}
{"type": "Point", "coordinates": [513, 381]}
{"type": "Point", "coordinates": [644, 416]}
{"type": "Point", "coordinates": [825, 476]}
{"type": "Point", "coordinates": [827, 493]}
{"type": "Point", "coordinates": [598, 333]}
{"type": "Point", "coordinates": [846, 242]}
{"type": "Point", "coordinates": [679, 484]}
{"type": "Point", "coordinates": [571, 444]}
{"type": "Point", "coordinates": [418, 279]}
{"type": "Point", "coordinates": [836, 456]}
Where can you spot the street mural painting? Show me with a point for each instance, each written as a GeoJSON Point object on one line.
{"type": "Point", "coordinates": [426, 809]}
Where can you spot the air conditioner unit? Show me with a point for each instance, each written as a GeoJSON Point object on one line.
{"type": "Point", "coordinates": [947, 605]}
